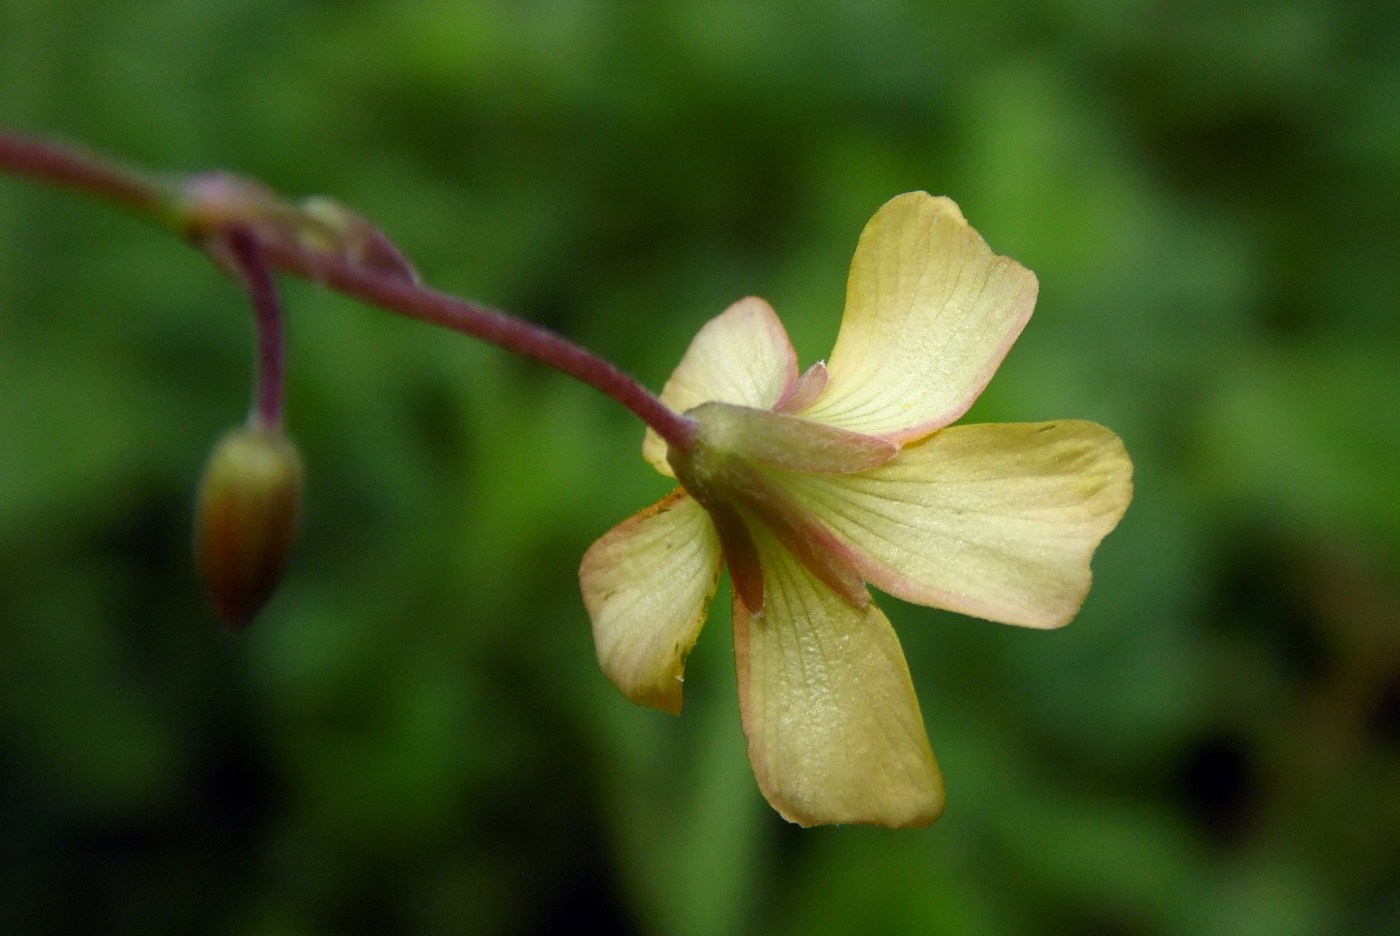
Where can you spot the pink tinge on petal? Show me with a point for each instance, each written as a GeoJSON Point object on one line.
{"type": "Point", "coordinates": [647, 584]}
{"type": "Point", "coordinates": [997, 521]}
{"type": "Point", "coordinates": [740, 556]}
{"type": "Point", "coordinates": [804, 391]}
{"type": "Point", "coordinates": [803, 536]}
{"type": "Point", "coordinates": [742, 357]}
{"type": "Point", "coordinates": [930, 314]}
{"type": "Point", "coordinates": [828, 707]}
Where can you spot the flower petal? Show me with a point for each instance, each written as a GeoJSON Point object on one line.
{"type": "Point", "coordinates": [996, 521]}
{"type": "Point", "coordinates": [833, 724]}
{"type": "Point", "coordinates": [930, 313]}
{"type": "Point", "coordinates": [647, 584]}
{"type": "Point", "coordinates": [742, 356]}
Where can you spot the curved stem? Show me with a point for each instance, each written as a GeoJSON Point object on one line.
{"type": "Point", "coordinates": [56, 165]}
{"type": "Point", "coordinates": [396, 294]}
{"type": "Point", "coordinates": [168, 205]}
{"type": "Point", "coordinates": [267, 312]}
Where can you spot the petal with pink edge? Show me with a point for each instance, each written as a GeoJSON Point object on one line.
{"type": "Point", "coordinates": [833, 725]}
{"type": "Point", "coordinates": [742, 356]}
{"type": "Point", "coordinates": [930, 313]}
{"type": "Point", "coordinates": [996, 521]}
{"type": "Point", "coordinates": [647, 584]}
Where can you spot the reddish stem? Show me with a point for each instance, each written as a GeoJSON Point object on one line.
{"type": "Point", "coordinates": [46, 162]}
{"type": "Point", "coordinates": [49, 163]}
{"type": "Point", "coordinates": [267, 311]}
{"type": "Point", "coordinates": [524, 338]}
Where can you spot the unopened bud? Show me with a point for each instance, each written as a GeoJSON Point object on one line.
{"type": "Point", "coordinates": [342, 231]}
{"type": "Point", "coordinates": [246, 519]}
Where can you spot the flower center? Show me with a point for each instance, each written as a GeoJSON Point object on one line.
{"type": "Point", "coordinates": [734, 470]}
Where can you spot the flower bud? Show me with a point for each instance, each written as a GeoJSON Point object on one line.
{"type": "Point", "coordinates": [246, 519]}
{"type": "Point", "coordinates": [329, 225]}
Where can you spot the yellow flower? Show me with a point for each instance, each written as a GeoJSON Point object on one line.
{"type": "Point", "coordinates": [808, 486]}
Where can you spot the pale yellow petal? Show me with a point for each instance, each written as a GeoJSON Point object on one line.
{"type": "Point", "coordinates": [995, 521]}
{"type": "Point", "coordinates": [647, 584]}
{"type": "Point", "coordinates": [930, 313]}
{"type": "Point", "coordinates": [742, 356]}
{"type": "Point", "coordinates": [833, 725]}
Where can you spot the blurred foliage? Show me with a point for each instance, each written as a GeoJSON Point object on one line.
{"type": "Point", "coordinates": [416, 739]}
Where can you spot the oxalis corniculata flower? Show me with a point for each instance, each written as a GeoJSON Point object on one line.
{"type": "Point", "coordinates": [808, 486]}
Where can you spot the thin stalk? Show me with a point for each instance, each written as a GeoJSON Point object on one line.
{"type": "Point", "coordinates": [268, 319]}
{"type": "Point", "coordinates": [166, 204]}
{"type": "Point", "coordinates": [506, 331]}
{"type": "Point", "coordinates": [72, 169]}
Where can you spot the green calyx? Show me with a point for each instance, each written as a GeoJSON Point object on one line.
{"type": "Point", "coordinates": [733, 469]}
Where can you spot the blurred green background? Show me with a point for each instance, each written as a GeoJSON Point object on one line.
{"type": "Point", "coordinates": [415, 737]}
